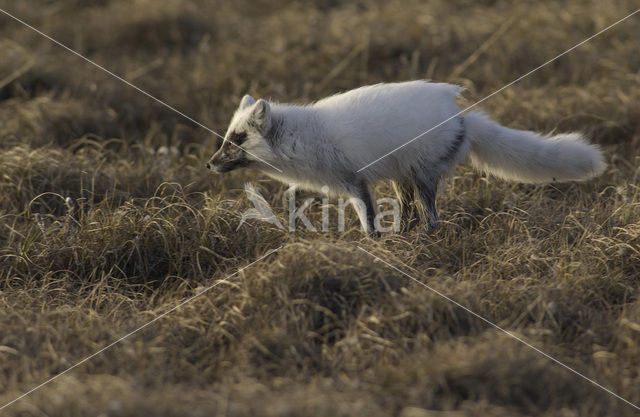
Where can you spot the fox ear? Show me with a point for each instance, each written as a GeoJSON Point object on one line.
{"type": "Point", "coordinates": [246, 101]}
{"type": "Point", "coordinates": [261, 115]}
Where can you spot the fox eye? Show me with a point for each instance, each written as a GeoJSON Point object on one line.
{"type": "Point", "coordinates": [239, 138]}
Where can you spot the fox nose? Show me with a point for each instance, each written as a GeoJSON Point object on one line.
{"type": "Point", "coordinates": [208, 165]}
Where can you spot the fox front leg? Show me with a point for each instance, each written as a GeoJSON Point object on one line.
{"type": "Point", "coordinates": [364, 206]}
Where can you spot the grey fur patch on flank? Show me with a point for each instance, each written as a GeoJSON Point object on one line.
{"type": "Point", "coordinates": [457, 142]}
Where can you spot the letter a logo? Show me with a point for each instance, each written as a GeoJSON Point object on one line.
{"type": "Point", "coordinates": [261, 211]}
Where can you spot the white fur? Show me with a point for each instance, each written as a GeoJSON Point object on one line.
{"type": "Point", "coordinates": [528, 157]}
{"type": "Point", "coordinates": [364, 124]}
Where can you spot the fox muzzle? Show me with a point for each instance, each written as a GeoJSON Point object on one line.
{"type": "Point", "coordinates": [222, 164]}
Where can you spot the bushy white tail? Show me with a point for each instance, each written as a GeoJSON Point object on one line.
{"type": "Point", "coordinates": [529, 157]}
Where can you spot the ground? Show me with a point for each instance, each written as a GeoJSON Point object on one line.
{"type": "Point", "coordinates": [108, 218]}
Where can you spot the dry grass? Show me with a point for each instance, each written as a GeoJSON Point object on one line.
{"type": "Point", "coordinates": [108, 218]}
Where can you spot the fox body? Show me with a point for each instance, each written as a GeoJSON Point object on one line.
{"type": "Point", "coordinates": [327, 143]}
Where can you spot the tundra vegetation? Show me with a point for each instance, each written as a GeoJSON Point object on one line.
{"type": "Point", "coordinates": [108, 217]}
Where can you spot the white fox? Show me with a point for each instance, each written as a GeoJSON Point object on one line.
{"type": "Point", "coordinates": [330, 141]}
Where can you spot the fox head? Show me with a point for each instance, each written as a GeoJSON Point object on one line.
{"type": "Point", "coordinates": [245, 143]}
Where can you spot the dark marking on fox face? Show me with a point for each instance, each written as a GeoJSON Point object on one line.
{"type": "Point", "coordinates": [230, 156]}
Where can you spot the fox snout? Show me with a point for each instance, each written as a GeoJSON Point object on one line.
{"type": "Point", "coordinates": [219, 163]}
{"type": "Point", "coordinates": [222, 162]}
{"type": "Point", "coordinates": [214, 163]}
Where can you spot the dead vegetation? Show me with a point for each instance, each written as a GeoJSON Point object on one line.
{"type": "Point", "coordinates": [108, 218]}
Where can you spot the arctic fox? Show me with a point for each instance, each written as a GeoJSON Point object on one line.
{"type": "Point", "coordinates": [327, 143]}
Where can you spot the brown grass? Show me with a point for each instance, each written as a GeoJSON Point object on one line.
{"type": "Point", "coordinates": [108, 218]}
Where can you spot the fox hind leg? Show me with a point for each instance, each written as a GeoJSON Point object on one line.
{"type": "Point", "coordinates": [428, 175]}
{"type": "Point", "coordinates": [427, 187]}
{"type": "Point", "coordinates": [405, 191]}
